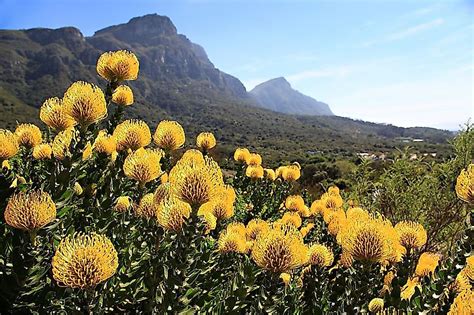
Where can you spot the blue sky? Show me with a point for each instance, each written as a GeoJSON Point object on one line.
{"type": "Point", "coordinates": [409, 63]}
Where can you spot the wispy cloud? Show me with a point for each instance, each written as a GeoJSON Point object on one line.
{"type": "Point", "coordinates": [414, 30]}
{"type": "Point", "coordinates": [334, 72]}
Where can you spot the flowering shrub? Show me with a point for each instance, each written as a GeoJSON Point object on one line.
{"type": "Point", "coordinates": [102, 216]}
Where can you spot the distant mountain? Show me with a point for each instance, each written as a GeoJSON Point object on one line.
{"type": "Point", "coordinates": [278, 95]}
{"type": "Point", "coordinates": [176, 81]}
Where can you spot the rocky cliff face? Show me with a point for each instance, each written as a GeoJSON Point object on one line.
{"type": "Point", "coordinates": [278, 95]}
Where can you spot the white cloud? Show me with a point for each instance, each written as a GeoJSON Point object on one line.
{"type": "Point", "coordinates": [335, 72]}
{"type": "Point", "coordinates": [414, 30]}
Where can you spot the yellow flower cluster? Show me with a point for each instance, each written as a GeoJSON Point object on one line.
{"type": "Point", "coordinates": [169, 135]}
{"type": "Point", "coordinates": [28, 135]}
{"type": "Point", "coordinates": [117, 66]}
{"type": "Point", "coordinates": [8, 145]}
{"type": "Point", "coordinates": [465, 184]}
{"type": "Point", "coordinates": [205, 141]}
{"type": "Point", "coordinates": [132, 134]}
{"type": "Point", "coordinates": [143, 165]}
{"type": "Point", "coordinates": [85, 103]}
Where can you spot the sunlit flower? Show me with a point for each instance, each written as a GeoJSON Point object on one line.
{"type": "Point", "coordinates": [143, 165]}
{"type": "Point", "coordinates": [357, 213]}
{"type": "Point", "coordinates": [205, 141]}
{"type": "Point", "coordinates": [387, 282]}
{"type": "Point", "coordinates": [291, 173]}
{"type": "Point", "coordinates": [146, 207]}
{"type": "Point", "coordinates": [122, 204]}
{"type": "Point", "coordinates": [412, 234]}
{"type": "Point", "coordinates": [254, 171]}
{"type": "Point", "coordinates": [42, 151]}
{"type": "Point", "coordinates": [222, 204]}
{"type": "Point", "coordinates": [465, 184]}
{"type": "Point", "coordinates": [169, 135]}
{"type": "Point", "coordinates": [292, 218]}
{"type": "Point", "coordinates": [317, 207]}
{"type": "Point", "coordinates": [237, 227]}
{"type": "Point", "coordinates": [87, 152]}
{"type": "Point", "coordinates": [117, 66]}
{"type": "Point", "coordinates": [332, 201]}
{"type": "Point", "coordinates": [61, 143]}
{"type": "Point", "coordinates": [211, 221]}
{"type": "Point", "coordinates": [196, 181]}
{"type": "Point", "coordinates": [192, 156]}
{"type": "Point", "coordinates": [409, 288]}
{"type": "Point", "coordinates": [269, 174]}
{"type": "Point", "coordinates": [241, 155]}
{"type": "Point", "coordinates": [285, 277]}
{"type": "Point", "coordinates": [462, 282]}
{"type": "Point", "coordinates": [122, 96]}
{"type": "Point", "coordinates": [132, 134]}
{"type": "Point", "coordinates": [376, 305]}
{"type": "Point", "coordinates": [337, 222]}
{"type": "Point", "coordinates": [280, 249]}
{"type": "Point", "coordinates": [427, 264]}
{"type": "Point", "coordinates": [296, 203]}
{"type": "Point", "coordinates": [8, 144]}
{"type": "Point", "coordinates": [85, 103]}
{"type": "Point", "coordinates": [232, 242]}
{"type": "Point", "coordinates": [30, 211]}
{"type": "Point", "coordinates": [320, 255]}
{"type": "Point", "coordinates": [171, 213]}
{"type": "Point", "coordinates": [83, 261]}
{"type": "Point", "coordinates": [469, 268]}
{"type": "Point", "coordinates": [54, 115]}
{"type": "Point", "coordinates": [255, 227]}
{"type": "Point", "coordinates": [104, 143]}
{"type": "Point", "coordinates": [28, 135]}
{"type": "Point", "coordinates": [346, 259]}
{"type": "Point", "coordinates": [254, 159]}
{"type": "Point", "coordinates": [463, 303]}
{"type": "Point", "coordinates": [5, 165]}
{"type": "Point", "coordinates": [306, 229]}
{"type": "Point", "coordinates": [162, 192]}
{"type": "Point", "coordinates": [333, 190]}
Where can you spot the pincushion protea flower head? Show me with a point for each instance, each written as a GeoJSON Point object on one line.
{"type": "Point", "coordinates": [465, 184]}
{"type": "Point", "coordinates": [409, 288]}
{"type": "Point", "coordinates": [280, 249]}
{"type": "Point", "coordinates": [317, 207]}
{"type": "Point", "coordinates": [132, 134]}
{"type": "Point", "coordinates": [143, 165]}
{"type": "Point", "coordinates": [463, 303]}
{"type": "Point", "coordinates": [30, 211]}
{"type": "Point", "coordinates": [169, 135]}
{"type": "Point", "coordinates": [291, 173]}
{"type": "Point", "coordinates": [104, 143]}
{"type": "Point", "coordinates": [306, 229]}
{"type": "Point", "coordinates": [269, 174]}
{"type": "Point", "coordinates": [195, 180]}
{"type": "Point", "coordinates": [117, 66]}
{"type": "Point", "coordinates": [146, 208]}
{"type": "Point", "coordinates": [427, 264]}
{"type": "Point", "coordinates": [241, 155]}
{"type": "Point", "coordinates": [28, 135]}
{"type": "Point", "coordinates": [62, 142]}
{"type": "Point", "coordinates": [296, 203]}
{"type": "Point", "coordinates": [232, 242]}
{"type": "Point", "coordinates": [292, 218]}
{"type": "Point", "coordinates": [172, 213]}
{"type": "Point", "coordinates": [320, 255]}
{"type": "Point", "coordinates": [83, 261]}
{"type": "Point", "coordinates": [42, 151]}
{"type": "Point", "coordinates": [255, 227]}
{"type": "Point", "coordinates": [332, 201]}
{"type": "Point", "coordinates": [222, 204]}
{"type": "Point", "coordinates": [254, 159]}
{"type": "Point", "coordinates": [376, 305]}
{"type": "Point", "coordinates": [254, 171]}
{"type": "Point", "coordinates": [412, 234]}
{"type": "Point", "coordinates": [205, 141]}
{"type": "Point", "coordinates": [122, 96]}
{"type": "Point", "coordinates": [162, 192]}
{"type": "Point", "coordinates": [54, 115]}
{"type": "Point", "coordinates": [8, 145]}
{"type": "Point", "coordinates": [85, 103]}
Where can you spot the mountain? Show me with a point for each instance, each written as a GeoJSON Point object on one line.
{"type": "Point", "coordinates": [278, 95]}
{"type": "Point", "coordinates": [176, 81]}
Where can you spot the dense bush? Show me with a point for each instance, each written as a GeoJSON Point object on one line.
{"type": "Point", "coordinates": [101, 216]}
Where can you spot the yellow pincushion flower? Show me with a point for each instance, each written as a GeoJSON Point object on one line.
{"type": "Point", "coordinates": [196, 181]}
{"type": "Point", "coordinates": [346, 259]}
{"type": "Point", "coordinates": [83, 261]}
{"type": "Point", "coordinates": [337, 222]}
{"type": "Point", "coordinates": [54, 115]}
{"type": "Point", "coordinates": [254, 159]}
{"type": "Point", "coordinates": [122, 204]}
{"type": "Point", "coordinates": [427, 264]}
{"type": "Point", "coordinates": [28, 135]}
{"type": "Point", "coordinates": [169, 135]}
{"type": "Point", "coordinates": [334, 190]}
{"type": "Point", "coordinates": [241, 155]}
{"type": "Point", "coordinates": [30, 211]}
{"type": "Point", "coordinates": [332, 201]}
{"type": "Point", "coordinates": [412, 234]}
{"type": "Point", "coordinates": [462, 282]}
{"type": "Point", "coordinates": [62, 142]}
{"type": "Point", "coordinates": [306, 229]}
{"type": "Point", "coordinates": [317, 207]}
{"type": "Point", "coordinates": [469, 268]}
{"type": "Point", "coordinates": [171, 213]}
{"type": "Point", "coordinates": [254, 171]}
{"type": "Point", "coordinates": [237, 227]}
{"type": "Point", "coordinates": [269, 174]}
{"type": "Point", "coordinates": [320, 255]}
{"type": "Point", "coordinates": [291, 173]}
{"type": "Point", "coordinates": [146, 207]}
{"type": "Point", "coordinates": [296, 203]}
{"type": "Point", "coordinates": [376, 305]}
{"type": "Point", "coordinates": [255, 227]}
{"type": "Point", "coordinates": [122, 96]}
{"type": "Point", "coordinates": [357, 213]}
{"type": "Point", "coordinates": [232, 242]}
{"type": "Point", "coordinates": [292, 218]}
{"type": "Point", "coordinates": [222, 204]}
{"type": "Point", "coordinates": [8, 144]}
{"type": "Point", "coordinates": [463, 303]}
{"type": "Point", "coordinates": [143, 165]}
{"type": "Point", "coordinates": [205, 141]}
{"type": "Point", "coordinates": [117, 66]}
{"type": "Point", "coordinates": [465, 184]}
{"type": "Point", "coordinates": [42, 151]}
{"type": "Point", "coordinates": [104, 143]}
{"type": "Point", "coordinates": [132, 134]}
{"type": "Point", "coordinates": [280, 249]}
{"type": "Point", "coordinates": [162, 192]}
{"type": "Point", "coordinates": [409, 288]}
{"type": "Point", "coordinates": [286, 278]}
{"type": "Point", "coordinates": [85, 103]}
